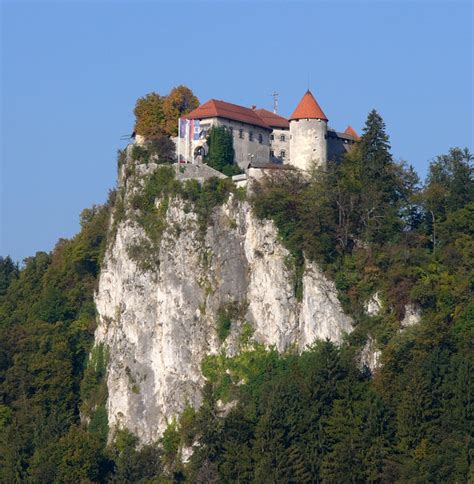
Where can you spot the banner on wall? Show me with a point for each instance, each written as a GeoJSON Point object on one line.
{"type": "Point", "coordinates": [182, 127]}
{"type": "Point", "coordinates": [189, 128]}
{"type": "Point", "coordinates": [196, 129]}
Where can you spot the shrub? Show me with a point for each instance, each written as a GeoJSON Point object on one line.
{"type": "Point", "coordinates": [140, 153]}
{"type": "Point", "coordinates": [224, 323]}
{"type": "Point", "coordinates": [226, 314]}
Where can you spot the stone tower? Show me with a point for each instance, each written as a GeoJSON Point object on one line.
{"type": "Point", "coordinates": [308, 134]}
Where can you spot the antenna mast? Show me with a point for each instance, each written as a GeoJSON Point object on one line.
{"type": "Point", "coordinates": [275, 101]}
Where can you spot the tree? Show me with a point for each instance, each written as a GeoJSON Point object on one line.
{"type": "Point", "coordinates": [451, 178]}
{"type": "Point", "coordinates": [149, 115]}
{"type": "Point", "coordinates": [163, 148]}
{"type": "Point", "coordinates": [449, 187]}
{"type": "Point", "coordinates": [47, 321]}
{"type": "Point", "coordinates": [221, 151]}
{"type": "Point", "coordinates": [374, 147]}
{"type": "Point", "coordinates": [133, 464]}
{"type": "Point", "coordinates": [179, 102]}
{"type": "Point", "coordinates": [158, 115]}
{"type": "Point", "coordinates": [8, 272]}
{"type": "Point", "coordinates": [371, 187]}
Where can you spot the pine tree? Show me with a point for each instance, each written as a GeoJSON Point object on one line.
{"type": "Point", "coordinates": [372, 184]}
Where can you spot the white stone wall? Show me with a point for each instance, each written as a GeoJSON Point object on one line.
{"type": "Point", "coordinates": [245, 150]}
{"type": "Point", "coordinates": [277, 145]}
{"type": "Point", "coordinates": [308, 144]}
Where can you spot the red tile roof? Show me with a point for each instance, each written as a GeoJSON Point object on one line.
{"type": "Point", "coordinates": [215, 108]}
{"type": "Point", "coordinates": [273, 120]}
{"type": "Point", "coordinates": [351, 132]}
{"type": "Point", "coordinates": [308, 108]}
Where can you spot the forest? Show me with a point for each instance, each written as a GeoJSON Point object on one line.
{"type": "Point", "coordinates": [315, 416]}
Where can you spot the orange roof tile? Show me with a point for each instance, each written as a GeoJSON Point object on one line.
{"type": "Point", "coordinates": [308, 108]}
{"type": "Point", "coordinates": [215, 108]}
{"type": "Point", "coordinates": [351, 132]}
{"type": "Point", "coordinates": [273, 120]}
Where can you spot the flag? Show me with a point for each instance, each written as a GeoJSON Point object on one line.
{"type": "Point", "coordinates": [197, 124]}
{"type": "Point", "coordinates": [182, 127]}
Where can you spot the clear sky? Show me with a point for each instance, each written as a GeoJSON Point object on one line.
{"type": "Point", "coordinates": [72, 71]}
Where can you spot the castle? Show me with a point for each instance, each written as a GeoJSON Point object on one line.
{"type": "Point", "coordinates": [262, 138]}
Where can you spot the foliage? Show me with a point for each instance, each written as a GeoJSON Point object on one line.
{"type": "Point", "coordinates": [151, 205]}
{"type": "Point", "coordinates": [313, 416]}
{"type": "Point", "coordinates": [94, 391]}
{"type": "Point", "coordinates": [361, 220]}
{"type": "Point", "coordinates": [47, 319]}
{"type": "Point", "coordinates": [131, 463]}
{"type": "Point", "coordinates": [158, 115]}
{"type": "Point", "coordinates": [149, 116]}
{"type": "Point", "coordinates": [8, 273]}
{"type": "Point", "coordinates": [221, 151]}
{"type": "Point", "coordinates": [224, 323]}
{"type": "Point", "coordinates": [160, 150]}
{"type": "Point", "coordinates": [177, 103]}
{"type": "Point", "coordinates": [317, 417]}
{"type": "Point", "coordinates": [226, 315]}
{"type": "Point", "coordinates": [301, 211]}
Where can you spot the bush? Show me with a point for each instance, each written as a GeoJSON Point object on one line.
{"type": "Point", "coordinates": [159, 150]}
{"type": "Point", "coordinates": [224, 322]}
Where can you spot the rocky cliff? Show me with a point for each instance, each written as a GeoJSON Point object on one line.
{"type": "Point", "coordinates": [159, 321]}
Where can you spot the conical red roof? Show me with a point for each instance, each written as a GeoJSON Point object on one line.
{"type": "Point", "coordinates": [351, 132]}
{"type": "Point", "coordinates": [308, 108]}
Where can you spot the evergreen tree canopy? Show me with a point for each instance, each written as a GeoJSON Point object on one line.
{"type": "Point", "coordinates": [221, 151]}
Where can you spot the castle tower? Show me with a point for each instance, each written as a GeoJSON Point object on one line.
{"type": "Point", "coordinates": [308, 133]}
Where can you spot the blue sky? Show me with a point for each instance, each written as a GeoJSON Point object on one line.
{"type": "Point", "coordinates": [72, 71]}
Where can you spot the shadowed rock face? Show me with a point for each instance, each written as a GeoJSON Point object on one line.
{"type": "Point", "coordinates": [159, 323]}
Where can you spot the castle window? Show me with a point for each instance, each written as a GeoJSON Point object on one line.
{"type": "Point", "coordinates": [272, 136]}
{"type": "Point", "coordinates": [260, 138]}
{"type": "Point", "coordinates": [282, 137]}
{"type": "Point", "coordinates": [241, 133]}
{"type": "Point", "coordinates": [282, 154]}
{"type": "Point", "coordinates": [250, 135]}
{"type": "Point", "coordinates": [272, 153]}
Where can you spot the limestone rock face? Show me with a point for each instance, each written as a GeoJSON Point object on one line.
{"type": "Point", "coordinates": [370, 355]}
{"type": "Point", "coordinates": [374, 305]}
{"type": "Point", "coordinates": [159, 322]}
{"type": "Point", "coordinates": [412, 316]}
{"type": "Point", "coordinates": [321, 315]}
